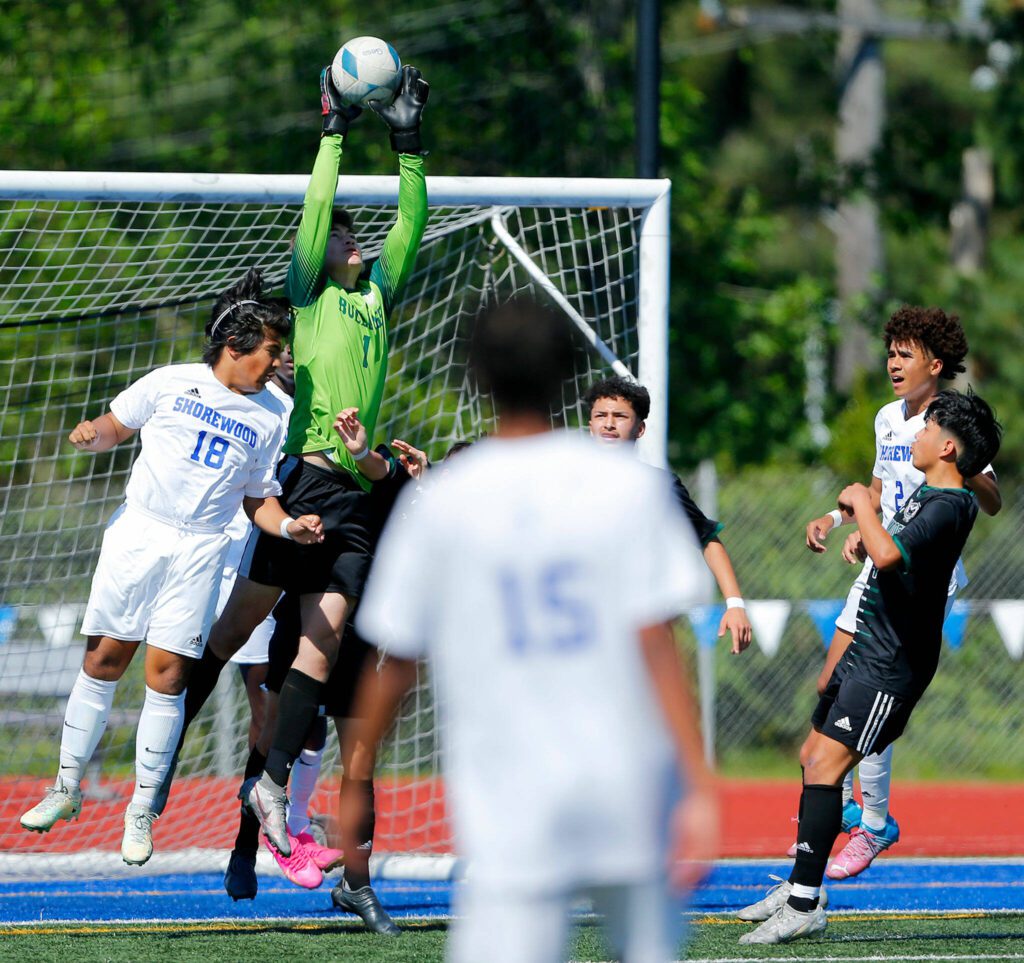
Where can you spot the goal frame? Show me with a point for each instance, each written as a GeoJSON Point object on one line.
{"type": "Point", "coordinates": [652, 196]}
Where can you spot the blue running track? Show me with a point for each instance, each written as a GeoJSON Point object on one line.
{"type": "Point", "coordinates": [892, 885]}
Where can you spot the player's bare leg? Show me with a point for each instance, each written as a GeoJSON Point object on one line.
{"type": "Point", "coordinates": [156, 741]}
{"type": "Point", "coordinates": [85, 720]}
{"type": "Point", "coordinates": [841, 640]}
{"type": "Point", "coordinates": [323, 618]}
{"type": "Point", "coordinates": [354, 893]}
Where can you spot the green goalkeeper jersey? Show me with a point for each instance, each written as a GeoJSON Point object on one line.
{"type": "Point", "coordinates": [340, 338]}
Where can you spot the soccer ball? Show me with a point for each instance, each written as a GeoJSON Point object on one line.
{"type": "Point", "coordinates": [365, 70]}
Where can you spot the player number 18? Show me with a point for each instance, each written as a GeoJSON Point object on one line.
{"type": "Point", "coordinates": [215, 450]}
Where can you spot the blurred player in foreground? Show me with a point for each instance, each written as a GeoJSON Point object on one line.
{"type": "Point", "coordinates": [539, 579]}
{"type": "Point", "coordinates": [618, 416]}
{"type": "Point", "coordinates": [210, 438]}
{"type": "Point", "coordinates": [895, 651]}
{"type": "Point", "coordinates": [924, 347]}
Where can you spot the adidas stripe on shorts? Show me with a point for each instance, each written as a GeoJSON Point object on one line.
{"type": "Point", "coordinates": [859, 716]}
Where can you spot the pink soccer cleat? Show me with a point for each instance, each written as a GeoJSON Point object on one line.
{"type": "Point", "coordinates": [299, 867]}
{"type": "Point", "coordinates": [864, 845]}
{"type": "Point", "coordinates": [324, 857]}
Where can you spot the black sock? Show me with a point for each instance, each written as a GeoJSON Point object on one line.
{"type": "Point", "coordinates": [201, 682]}
{"type": "Point", "coordinates": [296, 710]}
{"type": "Point", "coordinates": [248, 825]}
{"type": "Point", "coordinates": [821, 818]}
{"type": "Point", "coordinates": [357, 865]}
{"type": "Point", "coordinates": [316, 738]}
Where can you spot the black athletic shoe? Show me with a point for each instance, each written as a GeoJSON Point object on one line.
{"type": "Point", "coordinates": [364, 903]}
{"type": "Point", "coordinates": [240, 876]}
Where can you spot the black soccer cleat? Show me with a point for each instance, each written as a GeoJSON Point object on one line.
{"type": "Point", "coordinates": [240, 877]}
{"type": "Point", "coordinates": [364, 903]}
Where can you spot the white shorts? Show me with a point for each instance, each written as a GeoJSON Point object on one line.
{"type": "Point", "coordinates": [847, 621]}
{"type": "Point", "coordinates": [257, 650]}
{"type": "Point", "coordinates": [155, 582]}
{"type": "Point", "coordinates": [643, 922]}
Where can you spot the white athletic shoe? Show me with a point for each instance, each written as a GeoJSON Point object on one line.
{"type": "Point", "coordinates": [773, 901]}
{"type": "Point", "coordinates": [137, 844]}
{"type": "Point", "coordinates": [60, 802]}
{"type": "Point", "coordinates": [269, 804]}
{"type": "Point", "coordinates": [787, 925]}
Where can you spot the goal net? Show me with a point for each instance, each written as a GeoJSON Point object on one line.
{"type": "Point", "coordinates": [106, 276]}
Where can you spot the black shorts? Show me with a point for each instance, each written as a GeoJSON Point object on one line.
{"type": "Point", "coordinates": [340, 688]}
{"type": "Point", "coordinates": [341, 561]}
{"type": "Point", "coordinates": [859, 716]}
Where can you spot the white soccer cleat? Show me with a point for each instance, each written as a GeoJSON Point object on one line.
{"type": "Point", "coordinates": [60, 802]}
{"type": "Point", "coordinates": [269, 804]}
{"type": "Point", "coordinates": [137, 843]}
{"type": "Point", "coordinates": [787, 925]}
{"type": "Point", "coordinates": [773, 901]}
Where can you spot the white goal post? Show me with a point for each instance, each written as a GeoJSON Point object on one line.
{"type": "Point", "coordinates": [104, 276]}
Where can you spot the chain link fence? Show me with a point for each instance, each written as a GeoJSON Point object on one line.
{"type": "Point", "coordinates": [969, 723]}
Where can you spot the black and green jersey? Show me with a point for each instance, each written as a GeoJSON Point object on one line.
{"type": "Point", "coordinates": [340, 338]}
{"type": "Point", "coordinates": [899, 621]}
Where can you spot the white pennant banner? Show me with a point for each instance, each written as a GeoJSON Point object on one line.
{"type": "Point", "coordinates": [59, 622]}
{"type": "Point", "coordinates": [768, 618]}
{"type": "Point", "coordinates": [1008, 615]}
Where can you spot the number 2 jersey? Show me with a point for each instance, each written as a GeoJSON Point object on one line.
{"type": "Point", "coordinates": [894, 434]}
{"type": "Point", "coordinates": [340, 338]}
{"type": "Point", "coordinates": [524, 576]}
{"type": "Point", "coordinates": [204, 447]}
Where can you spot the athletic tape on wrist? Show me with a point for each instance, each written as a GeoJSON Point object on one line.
{"type": "Point", "coordinates": [735, 602]}
{"type": "Point", "coordinates": [361, 455]}
{"type": "Point", "coordinates": [837, 517]}
{"type": "Point", "coordinates": [285, 522]}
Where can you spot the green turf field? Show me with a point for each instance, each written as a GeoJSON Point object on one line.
{"type": "Point", "coordinates": [905, 937]}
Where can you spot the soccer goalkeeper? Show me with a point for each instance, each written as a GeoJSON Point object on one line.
{"type": "Point", "coordinates": [340, 344]}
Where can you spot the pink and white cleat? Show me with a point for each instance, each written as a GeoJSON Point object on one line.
{"type": "Point", "coordinates": [864, 845]}
{"type": "Point", "coordinates": [299, 867]}
{"type": "Point", "coordinates": [324, 857]}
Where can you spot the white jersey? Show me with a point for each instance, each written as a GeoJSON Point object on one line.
{"type": "Point", "coordinates": [524, 576]}
{"type": "Point", "coordinates": [894, 434]}
{"type": "Point", "coordinates": [204, 447]}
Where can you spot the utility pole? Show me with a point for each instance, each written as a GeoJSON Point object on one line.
{"type": "Point", "coordinates": [648, 87]}
{"type": "Point", "coordinates": [859, 255]}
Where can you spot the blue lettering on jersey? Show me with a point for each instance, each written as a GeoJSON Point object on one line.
{"type": "Point", "coordinates": [374, 321]}
{"type": "Point", "coordinates": [210, 416]}
{"type": "Point", "coordinates": [895, 452]}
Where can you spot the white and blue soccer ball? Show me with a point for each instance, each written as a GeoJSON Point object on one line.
{"type": "Point", "coordinates": [365, 70]}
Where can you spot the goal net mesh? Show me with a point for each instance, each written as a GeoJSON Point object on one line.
{"type": "Point", "coordinates": [94, 294]}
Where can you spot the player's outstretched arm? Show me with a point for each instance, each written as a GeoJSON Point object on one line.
{"type": "Point", "coordinates": [99, 435]}
{"type": "Point", "coordinates": [402, 244]}
{"type": "Point", "coordinates": [986, 489]}
{"type": "Point", "coordinates": [268, 516]}
{"type": "Point", "coordinates": [735, 619]}
{"type": "Point", "coordinates": [350, 429]}
{"type": "Point", "coordinates": [414, 461]}
{"type": "Point", "coordinates": [695, 822]}
{"type": "Point", "coordinates": [378, 696]}
{"type": "Point", "coordinates": [878, 543]}
{"type": "Point", "coordinates": [818, 528]}
{"type": "Point", "coordinates": [305, 278]}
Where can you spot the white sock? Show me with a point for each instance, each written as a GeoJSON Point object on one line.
{"type": "Point", "coordinates": [848, 787]}
{"type": "Point", "coordinates": [305, 773]}
{"type": "Point", "coordinates": [804, 892]}
{"type": "Point", "coordinates": [155, 742]}
{"type": "Point", "coordinates": [85, 720]}
{"type": "Point", "coordinates": [875, 776]}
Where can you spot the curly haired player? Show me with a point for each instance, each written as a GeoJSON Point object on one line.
{"type": "Point", "coordinates": [924, 347]}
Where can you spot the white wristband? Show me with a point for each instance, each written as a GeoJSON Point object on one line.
{"type": "Point", "coordinates": [285, 522]}
{"type": "Point", "coordinates": [359, 456]}
{"type": "Point", "coordinates": [735, 602]}
{"type": "Point", "coordinates": [837, 517]}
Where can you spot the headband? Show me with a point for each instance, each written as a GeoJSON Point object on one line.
{"type": "Point", "coordinates": [226, 312]}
